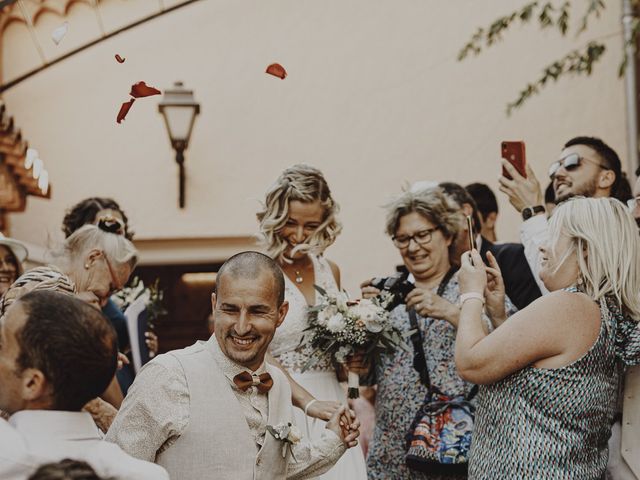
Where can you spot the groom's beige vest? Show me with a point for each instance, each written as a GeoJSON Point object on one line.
{"type": "Point", "coordinates": [217, 443]}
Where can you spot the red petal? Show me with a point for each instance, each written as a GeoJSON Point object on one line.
{"type": "Point", "coordinates": [120, 59]}
{"type": "Point", "coordinates": [141, 89]}
{"type": "Point", "coordinates": [124, 109]}
{"type": "Point", "coordinates": [276, 70]}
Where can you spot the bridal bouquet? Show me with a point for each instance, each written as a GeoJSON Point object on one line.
{"type": "Point", "coordinates": [340, 328]}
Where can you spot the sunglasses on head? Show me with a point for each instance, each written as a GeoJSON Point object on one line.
{"type": "Point", "coordinates": [570, 163]}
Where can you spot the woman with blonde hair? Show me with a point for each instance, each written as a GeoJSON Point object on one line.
{"type": "Point", "coordinates": [551, 372]}
{"type": "Point", "coordinates": [298, 222]}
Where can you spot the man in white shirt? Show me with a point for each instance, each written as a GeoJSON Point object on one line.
{"type": "Point", "coordinates": [56, 354]}
{"type": "Point", "coordinates": [586, 167]}
{"type": "Point", "coordinates": [210, 410]}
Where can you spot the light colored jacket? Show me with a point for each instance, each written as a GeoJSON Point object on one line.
{"type": "Point", "coordinates": [217, 442]}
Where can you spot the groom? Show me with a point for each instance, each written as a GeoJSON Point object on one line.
{"type": "Point", "coordinates": [203, 411]}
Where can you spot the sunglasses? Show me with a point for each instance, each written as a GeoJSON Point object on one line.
{"type": "Point", "coordinates": [570, 163]}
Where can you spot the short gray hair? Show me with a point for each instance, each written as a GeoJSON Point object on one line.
{"type": "Point", "coordinates": [432, 204]}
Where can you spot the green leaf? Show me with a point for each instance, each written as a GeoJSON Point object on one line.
{"type": "Point", "coordinates": [322, 291]}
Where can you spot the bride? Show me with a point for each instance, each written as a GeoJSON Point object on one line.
{"type": "Point", "coordinates": [298, 222]}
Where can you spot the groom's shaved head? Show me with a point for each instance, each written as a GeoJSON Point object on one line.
{"type": "Point", "coordinates": [251, 265]}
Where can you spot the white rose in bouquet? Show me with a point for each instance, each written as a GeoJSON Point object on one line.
{"type": "Point", "coordinates": [336, 323]}
{"type": "Point", "coordinates": [325, 314]}
{"type": "Point", "coordinates": [370, 314]}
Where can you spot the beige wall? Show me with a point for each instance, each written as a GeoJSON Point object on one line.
{"type": "Point", "coordinates": [374, 97]}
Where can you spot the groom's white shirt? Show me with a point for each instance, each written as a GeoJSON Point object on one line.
{"type": "Point", "coordinates": [184, 412]}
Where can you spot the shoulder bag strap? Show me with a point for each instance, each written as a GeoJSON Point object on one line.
{"type": "Point", "coordinates": [419, 358]}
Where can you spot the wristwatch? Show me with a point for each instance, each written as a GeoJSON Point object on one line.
{"type": "Point", "coordinates": [529, 212]}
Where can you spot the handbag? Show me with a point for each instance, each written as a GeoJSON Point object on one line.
{"type": "Point", "coordinates": [439, 438]}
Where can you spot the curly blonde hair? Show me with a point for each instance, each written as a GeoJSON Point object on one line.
{"type": "Point", "coordinates": [305, 184]}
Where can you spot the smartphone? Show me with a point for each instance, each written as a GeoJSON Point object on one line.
{"type": "Point", "coordinates": [513, 152]}
{"type": "Point", "coordinates": [472, 235]}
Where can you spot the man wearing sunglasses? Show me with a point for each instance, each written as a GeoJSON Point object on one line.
{"type": "Point", "coordinates": [586, 167]}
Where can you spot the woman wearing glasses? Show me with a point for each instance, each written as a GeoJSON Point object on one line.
{"type": "Point", "coordinates": [91, 211]}
{"type": "Point", "coordinates": [422, 226]}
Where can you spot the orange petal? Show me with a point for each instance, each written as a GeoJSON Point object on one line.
{"type": "Point", "coordinates": [277, 70]}
{"type": "Point", "coordinates": [141, 89]}
{"type": "Point", "coordinates": [124, 109]}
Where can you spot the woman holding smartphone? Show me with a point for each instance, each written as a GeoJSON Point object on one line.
{"type": "Point", "coordinates": [551, 372]}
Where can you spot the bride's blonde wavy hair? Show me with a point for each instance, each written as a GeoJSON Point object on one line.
{"type": "Point", "coordinates": [305, 184]}
{"type": "Point", "coordinates": [606, 232]}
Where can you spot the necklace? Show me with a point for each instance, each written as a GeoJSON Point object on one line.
{"type": "Point", "coordinates": [299, 278]}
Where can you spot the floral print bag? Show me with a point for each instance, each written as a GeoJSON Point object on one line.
{"type": "Point", "coordinates": [439, 438]}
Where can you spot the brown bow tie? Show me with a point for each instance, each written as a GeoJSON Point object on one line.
{"type": "Point", "coordinates": [244, 380]}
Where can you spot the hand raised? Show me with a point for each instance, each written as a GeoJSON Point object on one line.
{"type": "Point", "coordinates": [522, 192]}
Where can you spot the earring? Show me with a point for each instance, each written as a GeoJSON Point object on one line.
{"type": "Point", "coordinates": [86, 266]}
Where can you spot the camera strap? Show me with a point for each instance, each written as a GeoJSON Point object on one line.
{"type": "Point", "coordinates": [419, 358]}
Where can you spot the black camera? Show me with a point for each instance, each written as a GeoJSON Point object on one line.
{"type": "Point", "coordinates": [397, 285]}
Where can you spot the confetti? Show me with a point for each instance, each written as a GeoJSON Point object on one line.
{"type": "Point", "coordinates": [277, 70]}
{"type": "Point", "coordinates": [124, 109]}
{"type": "Point", "coordinates": [141, 89]}
{"type": "Point", "coordinates": [120, 59]}
{"type": "Point", "coordinates": [58, 34]}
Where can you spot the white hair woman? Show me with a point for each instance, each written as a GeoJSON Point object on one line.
{"type": "Point", "coordinates": [551, 372]}
{"type": "Point", "coordinates": [298, 222]}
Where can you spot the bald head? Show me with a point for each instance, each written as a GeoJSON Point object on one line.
{"type": "Point", "coordinates": [252, 265]}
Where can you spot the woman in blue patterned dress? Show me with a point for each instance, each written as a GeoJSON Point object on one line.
{"type": "Point", "coordinates": [422, 226]}
{"type": "Point", "coordinates": [551, 371]}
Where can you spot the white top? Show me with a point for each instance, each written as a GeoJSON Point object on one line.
{"type": "Point", "coordinates": [285, 345]}
{"type": "Point", "coordinates": [34, 437]}
{"type": "Point", "coordinates": [534, 233]}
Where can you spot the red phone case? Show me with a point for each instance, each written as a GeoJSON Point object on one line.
{"type": "Point", "coordinates": [514, 153]}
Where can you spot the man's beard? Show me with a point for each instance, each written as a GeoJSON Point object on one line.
{"type": "Point", "coordinates": [588, 190]}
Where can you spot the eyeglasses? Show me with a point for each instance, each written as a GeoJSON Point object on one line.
{"type": "Point", "coordinates": [422, 237]}
{"type": "Point", "coordinates": [633, 203]}
{"type": "Point", "coordinates": [570, 163]}
{"type": "Point", "coordinates": [115, 284]}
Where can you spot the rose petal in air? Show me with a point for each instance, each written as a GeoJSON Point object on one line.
{"type": "Point", "coordinates": [277, 70]}
{"type": "Point", "coordinates": [124, 109]}
{"type": "Point", "coordinates": [141, 89]}
{"type": "Point", "coordinates": [58, 34]}
{"type": "Point", "coordinates": [120, 59]}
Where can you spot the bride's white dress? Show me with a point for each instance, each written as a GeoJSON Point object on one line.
{"type": "Point", "coordinates": [320, 380]}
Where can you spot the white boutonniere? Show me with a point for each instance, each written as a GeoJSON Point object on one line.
{"type": "Point", "coordinates": [286, 433]}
